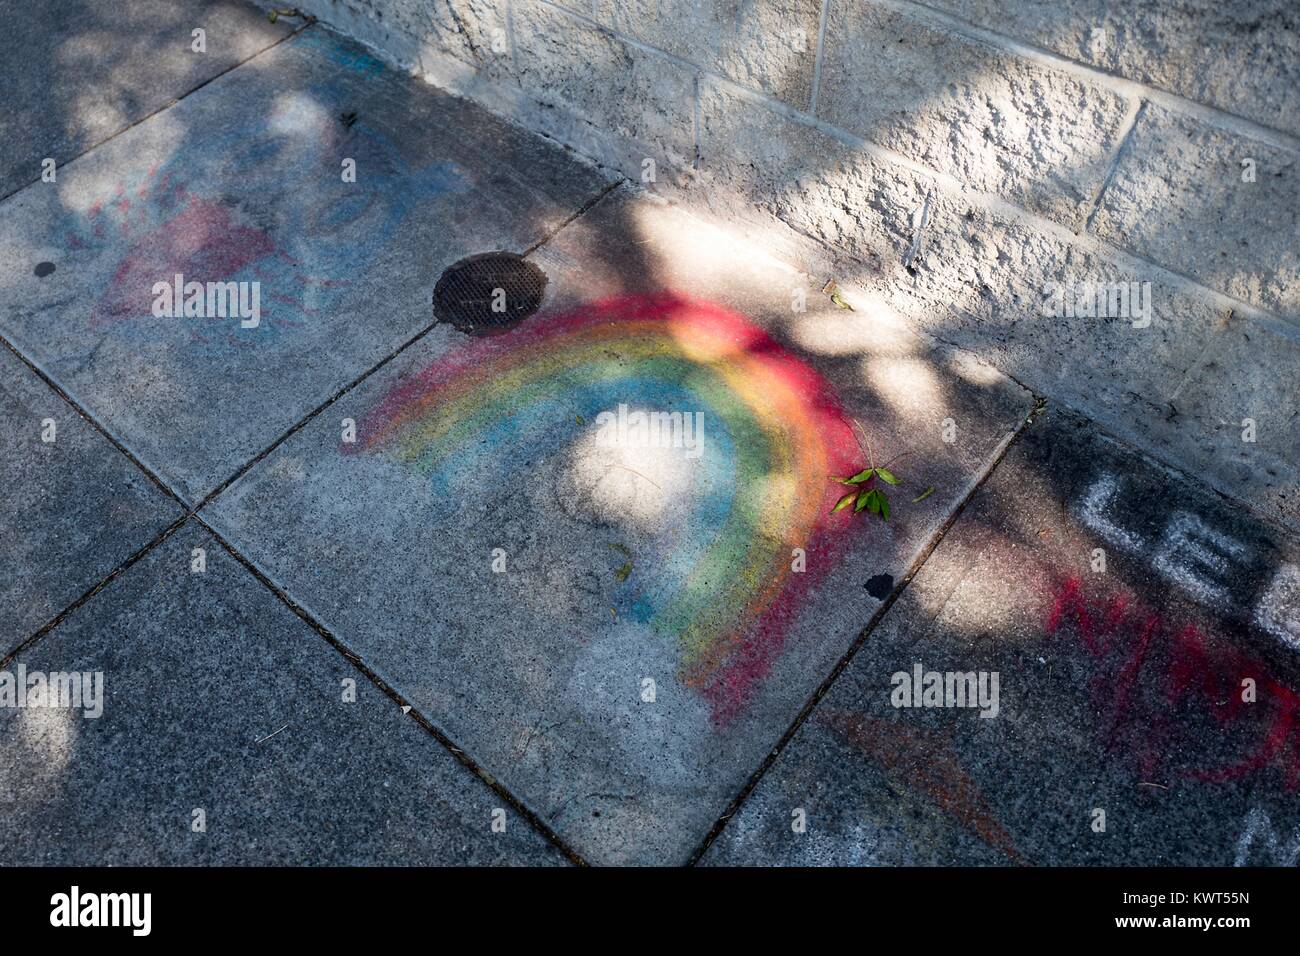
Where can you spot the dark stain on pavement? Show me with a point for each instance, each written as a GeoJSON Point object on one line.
{"type": "Point", "coordinates": [880, 586]}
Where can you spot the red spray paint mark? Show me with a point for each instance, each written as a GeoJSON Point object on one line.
{"type": "Point", "coordinates": [1180, 662]}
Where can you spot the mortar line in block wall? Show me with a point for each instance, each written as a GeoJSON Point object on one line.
{"type": "Point", "coordinates": [695, 119]}
{"type": "Point", "coordinates": [510, 32]}
{"type": "Point", "coordinates": [633, 42]}
{"type": "Point", "coordinates": [996, 205]}
{"type": "Point", "coordinates": [1130, 124]}
{"type": "Point", "coordinates": [817, 60]}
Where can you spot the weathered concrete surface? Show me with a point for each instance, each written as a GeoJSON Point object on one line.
{"type": "Point", "coordinates": [768, 45]}
{"type": "Point", "coordinates": [243, 182]}
{"type": "Point", "coordinates": [1242, 56]}
{"type": "Point", "coordinates": [75, 73]}
{"type": "Point", "coordinates": [977, 277]}
{"type": "Point", "coordinates": [997, 122]}
{"type": "Point", "coordinates": [1218, 207]}
{"type": "Point", "coordinates": [1120, 690]}
{"type": "Point", "coordinates": [73, 508]}
{"type": "Point", "coordinates": [984, 280]}
{"type": "Point", "coordinates": [622, 563]}
{"type": "Point", "coordinates": [217, 698]}
{"type": "Point", "coordinates": [658, 618]}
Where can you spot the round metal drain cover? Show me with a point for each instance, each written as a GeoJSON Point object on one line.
{"type": "Point", "coordinates": [489, 293]}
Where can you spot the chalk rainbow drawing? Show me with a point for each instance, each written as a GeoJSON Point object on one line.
{"type": "Point", "coordinates": [723, 588]}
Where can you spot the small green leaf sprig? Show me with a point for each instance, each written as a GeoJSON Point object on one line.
{"type": "Point", "coordinates": [865, 496]}
{"type": "Point", "coordinates": [872, 500]}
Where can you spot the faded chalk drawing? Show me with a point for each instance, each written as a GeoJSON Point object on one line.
{"type": "Point", "coordinates": [1097, 502]}
{"type": "Point", "coordinates": [214, 213]}
{"type": "Point", "coordinates": [1195, 556]}
{"type": "Point", "coordinates": [1261, 845]}
{"type": "Point", "coordinates": [1278, 611]}
{"type": "Point", "coordinates": [926, 763]}
{"type": "Point", "coordinates": [1133, 646]}
{"type": "Point", "coordinates": [1198, 558]}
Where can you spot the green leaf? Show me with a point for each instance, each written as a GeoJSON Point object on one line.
{"type": "Point", "coordinates": [864, 500]}
{"type": "Point", "coordinates": [861, 476]}
{"type": "Point", "coordinates": [884, 508]}
{"type": "Point", "coordinates": [923, 495]}
{"type": "Point", "coordinates": [844, 502]}
{"type": "Point", "coordinates": [886, 475]}
{"type": "Point", "coordinates": [622, 573]}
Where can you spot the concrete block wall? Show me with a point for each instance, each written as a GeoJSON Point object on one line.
{"type": "Point", "coordinates": [956, 161]}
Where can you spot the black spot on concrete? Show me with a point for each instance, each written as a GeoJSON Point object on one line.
{"type": "Point", "coordinates": [880, 586]}
{"type": "Point", "coordinates": [43, 269]}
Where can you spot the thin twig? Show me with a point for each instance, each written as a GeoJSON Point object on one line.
{"type": "Point", "coordinates": [269, 736]}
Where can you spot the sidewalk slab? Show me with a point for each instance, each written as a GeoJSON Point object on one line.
{"type": "Point", "coordinates": [657, 616]}
{"type": "Point", "coordinates": [244, 181]}
{"type": "Point", "coordinates": [217, 698]}
{"type": "Point", "coordinates": [77, 72]}
{"type": "Point", "coordinates": [1124, 687]}
{"type": "Point", "coordinates": [73, 507]}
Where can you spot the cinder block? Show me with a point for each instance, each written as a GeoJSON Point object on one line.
{"type": "Point", "coordinates": [1039, 137]}
{"type": "Point", "coordinates": [1211, 204]}
{"type": "Point", "coordinates": [768, 45]}
{"type": "Point", "coordinates": [1243, 57]}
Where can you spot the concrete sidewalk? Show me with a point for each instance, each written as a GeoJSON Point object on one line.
{"type": "Point", "coordinates": [361, 588]}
